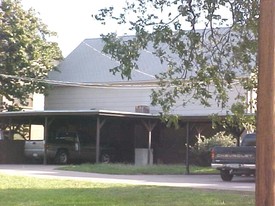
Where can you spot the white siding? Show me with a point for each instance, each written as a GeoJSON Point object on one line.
{"type": "Point", "coordinates": [95, 98]}
{"type": "Point", "coordinates": [76, 98]}
{"type": "Point", "coordinates": [38, 102]}
{"type": "Point", "coordinates": [195, 108]}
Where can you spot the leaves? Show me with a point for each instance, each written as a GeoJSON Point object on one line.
{"type": "Point", "coordinates": [25, 52]}
{"type": "Point", "coordinates": [210, 47]}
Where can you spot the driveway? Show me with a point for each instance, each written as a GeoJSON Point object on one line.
{"type": "Point", "coordinates": [191, 181]}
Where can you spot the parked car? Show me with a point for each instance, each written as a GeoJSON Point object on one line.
{"type": "Point", "coordinates": [236, 160]}
{"type": "Point", "coordinates": [66, 147]}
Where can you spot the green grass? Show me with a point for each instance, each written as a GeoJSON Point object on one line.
{"type": "Point", "coordinates": [30, 191]}
{"type": "Point", "coordinates": [132, 169]}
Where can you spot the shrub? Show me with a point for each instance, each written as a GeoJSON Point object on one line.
{"type": "Point", "coordinates": [201, 152]}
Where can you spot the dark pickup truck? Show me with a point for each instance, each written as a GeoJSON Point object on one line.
{"type": "Point", "coordinates": [236, 160]}
{"type": "Point", "coordinates": [66, 147]}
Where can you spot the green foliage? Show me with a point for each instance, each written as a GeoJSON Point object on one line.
{"type": "Point", "coordinates": [219, 139]}
{"type": "Point", "coordinates": [26, 54]}
{"type": "Point", "coordinates": [210, 47]}
{"type": "Point", "coordinates": [202, 149]}
{"type": "Point", "coordinates": [236, 122]}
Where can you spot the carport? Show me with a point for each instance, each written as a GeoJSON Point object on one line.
{"type": "Point", "coordinates": [46, 118]}
{"type": "Point", "coordinates": [151, 125]}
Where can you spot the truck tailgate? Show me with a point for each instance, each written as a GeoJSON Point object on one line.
{"type": "Point", "coordinates": [34, 149]}
{"type": "Point", "coordinates": [237, 155]}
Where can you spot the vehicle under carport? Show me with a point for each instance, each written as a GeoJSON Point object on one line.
{"type": "Point", "coordinates": [125, 131]}
{"type": "Point", "coordinates": [119, 129]}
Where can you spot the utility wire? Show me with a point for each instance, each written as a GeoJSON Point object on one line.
{"type": "Point", "coordinates": [114, 85]}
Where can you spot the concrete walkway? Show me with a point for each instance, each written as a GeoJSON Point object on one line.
{"type": "Point", "coordinates": [191, 181]}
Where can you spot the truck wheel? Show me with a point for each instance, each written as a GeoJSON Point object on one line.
{"type": "Point", "coordinates": [226, 176]}
{"type": "Point", "coordinates": [62, 157]}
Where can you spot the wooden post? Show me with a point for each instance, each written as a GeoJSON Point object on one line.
{"type": "Point", "coordinates": [187, 148]}
{"type": "Point", "coordinates": [149, 147]}
{"type": "Point", "coordinates": [99, 125]}
{"type": "Point", "coordinates": [265, 163]}
{"type": "Point", "coordinates": [45, 140]}
{"type": "Point", "coordinates": [97, 139]}
{"type": "Point", "coordinates": [150, 126]}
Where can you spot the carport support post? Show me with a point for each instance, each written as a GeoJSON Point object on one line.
{"type": "Point", "coordinates": [187, 148]}
{"type": "Point", "coordinates": [149, 128]}
{"type": "Point", "coordinates": [98, 127]}
{"type": "Point", "coordinates": [265, 161]}
{"type": "Point", "coordinates": [45, 140]}
{"type": "Point", "coordinates": [149, 146]}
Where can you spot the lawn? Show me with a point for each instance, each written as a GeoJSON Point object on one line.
{"type": "Point", "coordinates": [31, 191]}
{"type": "Point", "coordinates": [133, 170]}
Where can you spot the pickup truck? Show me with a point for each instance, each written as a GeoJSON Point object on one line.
{"type": "Point", "coordinates": [232, 161]}
{"type": "Point", "coordinates": [66, 147]}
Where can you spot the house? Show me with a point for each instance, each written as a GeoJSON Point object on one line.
{"type": "Point", "coordinates": [86, 96]}
{"type": "Point", "coordinates": [84, 82]}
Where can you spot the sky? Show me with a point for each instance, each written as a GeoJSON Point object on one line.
{"type": "Point", "coordinates": [73, 22]}
{"type": "Point", "coordinates": [72, 19]}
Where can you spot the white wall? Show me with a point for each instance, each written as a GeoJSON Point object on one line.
{"type": "Point", "coordinates": [81, 98]}
{"type": "Point", "coordinates": [37, 132]}
{"type": "Point", "coordinates": [38, 102]}
{"type": "Point", "coordinates": [95, 98]}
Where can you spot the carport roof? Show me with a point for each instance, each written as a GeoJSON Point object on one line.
{"type": "Point", "coordinates": [38, 117]}
{"type": "Point", "coordinates": [103, 113]}
{"type": "Point", "coordinates": [77, 113]}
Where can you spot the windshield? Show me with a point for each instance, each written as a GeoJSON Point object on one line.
{"type": "Point", "coordinates": [249, 140]}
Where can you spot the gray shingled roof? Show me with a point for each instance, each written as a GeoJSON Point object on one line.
{"type": "Point", "coordinates": [87, 64]}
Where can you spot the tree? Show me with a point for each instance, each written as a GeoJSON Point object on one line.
{"type": "Point", "coordinates": [26, 54]}
{"type": "Point", "coordinates": [210, 47]}
{"type": "Point", "coordinates": [236, 122]}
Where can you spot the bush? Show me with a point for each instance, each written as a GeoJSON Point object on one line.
{"type": "Point", "coordinates": [201, 152]}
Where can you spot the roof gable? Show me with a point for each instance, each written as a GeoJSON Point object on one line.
{"type": "Point", "coordinates": [87, 64]}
